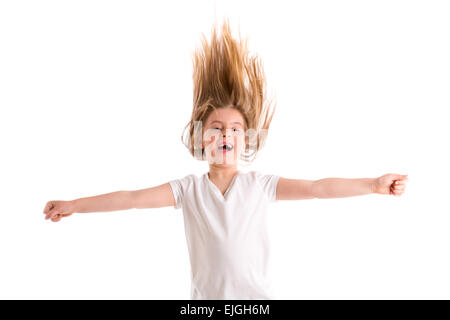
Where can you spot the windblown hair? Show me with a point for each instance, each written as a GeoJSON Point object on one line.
{"type": "Point", "coordinates": [225, 76]}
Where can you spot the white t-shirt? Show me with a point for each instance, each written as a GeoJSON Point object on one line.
{"type": "Point", "coordinates": [226, 234]}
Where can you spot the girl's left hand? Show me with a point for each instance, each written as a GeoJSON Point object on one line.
{"type": "Point", "coordinates": [391, 183]}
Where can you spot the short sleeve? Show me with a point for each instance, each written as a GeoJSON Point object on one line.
{"type": "Point", "coordinates": [179, 189]}
{"type": "Point", "coordinates": [269, 183]}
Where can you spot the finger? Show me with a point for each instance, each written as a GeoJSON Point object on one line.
{"type": "Point", "coordinates": [48, 206]}
{"type": "Point", "coordinates": [51, 214]}
{"type": "Point", "coordinates": [399, 184]}
{"type": "Point", "coordinates": [56, 219]}
{"type": "Point", "coordinates": [397, 187]}
{"type": "Point", "coordinates": [61, 215]}
{"type": "Point", "coordinates": [398, 176]}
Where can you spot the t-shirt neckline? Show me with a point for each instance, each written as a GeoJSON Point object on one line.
{"type": "Point", "coordinates": [223, 196]}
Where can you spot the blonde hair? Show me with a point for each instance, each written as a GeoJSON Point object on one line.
{"type": "Point", "coordinates": [225, 76]}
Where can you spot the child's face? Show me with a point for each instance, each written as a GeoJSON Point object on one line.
{"type": "Point", "coordinates": [224, 126]}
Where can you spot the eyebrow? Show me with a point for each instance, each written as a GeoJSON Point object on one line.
{"type": "Point", "coordinates": [236, 122]}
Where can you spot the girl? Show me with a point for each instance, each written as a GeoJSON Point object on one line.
{"type": "Point", "coordinates": [225, 209]}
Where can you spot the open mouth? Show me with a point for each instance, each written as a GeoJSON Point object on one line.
{"type": "Point", "coordinates": [226, 147]}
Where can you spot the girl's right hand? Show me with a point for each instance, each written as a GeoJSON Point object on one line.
{"type": "Point", "coordinates": [56, 210]}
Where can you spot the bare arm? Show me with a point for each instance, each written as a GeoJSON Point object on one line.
{"type": "Point", "coordinates": [294, 189]}
{"type": "Point", "coordinates": [113, 201]}
{"type": "Point", "coordinates": [343, 187]}
{"type": "Point", "coordinates": [154, 197]}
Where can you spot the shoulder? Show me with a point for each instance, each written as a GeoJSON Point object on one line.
{"type": "Point", "coordinates": [260, 176]}
{"type": "Point", "coordinates": [187, 179]}
{"type": "Point", "coordinates": [267, 182]}
{"type": "Point", "coordinates": [183, 186]}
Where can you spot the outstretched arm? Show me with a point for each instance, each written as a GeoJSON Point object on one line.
{"type": "Point", "coordinates": [294, 189]}
{"type": "Point", "coordinates": [154, 197]}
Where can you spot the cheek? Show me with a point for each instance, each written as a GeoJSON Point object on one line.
{"type": "Point", "coordinates": [240, 141]}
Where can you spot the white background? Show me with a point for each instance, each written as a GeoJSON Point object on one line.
{"type": "Point", "coordinates": [94, 96]}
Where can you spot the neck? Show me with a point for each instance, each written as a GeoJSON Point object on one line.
{"type": "Point", "coordinates": [221, 172]}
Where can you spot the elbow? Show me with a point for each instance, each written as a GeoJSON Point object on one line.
{"type": "Point", "coordinates": [315, 189]}
{"type": "Point", "coordinates": [132, 199]}
{"type": "Point", "coordinates": [306, 190]}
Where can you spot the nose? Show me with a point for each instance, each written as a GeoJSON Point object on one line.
{"type": "Point", "coordinates": [227, 133]}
